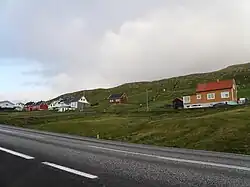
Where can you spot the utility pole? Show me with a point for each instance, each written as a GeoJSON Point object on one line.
{"type": "Point", "coordinates": [147, 99]}
{"type": "Point", "coordinates": [82, 103]}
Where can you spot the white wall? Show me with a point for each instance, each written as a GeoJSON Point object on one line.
{"type": "Point", "coordinates": [83, 100]}
{"type": "Point", "coordinates": [7, 104]}
{"type": "Point", "coordinates": [73, 104]}
{"type": "Point", "coordinates": [19, 106]}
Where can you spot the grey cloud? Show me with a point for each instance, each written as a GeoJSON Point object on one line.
{"type": "Point", "coordinates": [87, 44]}
{"type": "Point", "coordinates": [44, 72]}
{"type": "Point", "coordinates": [35, 83]}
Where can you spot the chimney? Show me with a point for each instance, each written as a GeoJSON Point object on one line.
{"type": "Point", "coordinates": [217, 80]}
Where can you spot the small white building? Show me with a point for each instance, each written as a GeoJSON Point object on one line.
{"type": "Point", "coordinates": [19, 106]}
{"type": "Point", "coordinates": [79, 103]}
{"type": "Point", "coordinates": [54, 105]}
{"type": "Point", "coordinates": [7, 105]}
{"type": "Point", "coordinates": [242, 101]}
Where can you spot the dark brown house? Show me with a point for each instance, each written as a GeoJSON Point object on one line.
{"type": "Point", "coordinates": [177, 103]}
{"type": "Point", "coordinates": [118, 98]}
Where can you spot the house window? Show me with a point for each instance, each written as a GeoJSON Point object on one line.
{"type": "Point", "coordinates": [198, 96]}
{"type": "Point", "coordinates": [224, 95]}
{"type": "Point", "coordinates": [210, 96]}
{"type": "Point", "coordinates": [186, 99]}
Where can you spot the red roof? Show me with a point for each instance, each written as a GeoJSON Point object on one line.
{"type": "Point", "coordinates": [218, 85]}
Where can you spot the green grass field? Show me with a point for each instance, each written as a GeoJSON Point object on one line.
{"type": "Point", "coordinates": [226, 130]}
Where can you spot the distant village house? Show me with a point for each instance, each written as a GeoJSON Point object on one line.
{"type": "Point", "coordinates": [178, 103]}
{"type": "Point", "coordinates": [29, 106]}
{"type": "Point", "coordinates": [211, 93]}
{"type": "Point", "coordinates": [70, 103]}
{"type": "Point", "coordinates": [32, 106]}
{"type": "Point", "coordinates": [118, 98]}
{"type": "Point", "coordinates": [41, 105]}
{"type": "Point", "coordinates": [7, 105]}
{"type": "Point", "coordinates": [19, 106]}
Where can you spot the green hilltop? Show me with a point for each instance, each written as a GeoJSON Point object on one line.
{"type": "Point", "coordinates": [161, 92]}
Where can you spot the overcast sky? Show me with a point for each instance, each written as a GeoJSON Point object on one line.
{"type": "Point", "coordinates": [49, 47]}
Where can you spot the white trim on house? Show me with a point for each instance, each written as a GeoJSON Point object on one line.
{"type": "Point", "coordinates": [186, 99]}
{"type": "Point", "coordinates": [232, 91]}
{"type": "Point", "coordinates": [225, 95]}
{"type": "Point", "coordinates": [210, 96]}
{"type": "Point", "coordinates": [198, 96]}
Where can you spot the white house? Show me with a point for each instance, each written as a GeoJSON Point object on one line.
{"type": "Point", "coordinates": [79, 103]}
{"type": "Point", "coordinates": [19, 106]}
{"type": "Point", "coordinates": [71, 103]}
{"type": "Point", "coordinates": [53, 105]}
{"type": "Point", "coordinates": [63, 106]}
{"type": "Point", "coordinates": [7, 105]}
{"type": "Point", "coordinates": [56, 104]}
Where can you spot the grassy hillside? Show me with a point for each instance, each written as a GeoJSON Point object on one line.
{"type": "Point", "coordinates": [213, 129]}
{"type": "Point", "coordinates": [206, 129]}
{"type": "Point", "coordinates": [163, 91]}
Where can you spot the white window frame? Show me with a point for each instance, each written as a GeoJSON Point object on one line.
{"type": "Point", "coordinates": [187, 99]}
{"type": "Point", "coordinates": [223, 95]}
{"type": "Point", "coordinates": [210, 96]}
{"type": "Point", "coordinates": [198, 96]}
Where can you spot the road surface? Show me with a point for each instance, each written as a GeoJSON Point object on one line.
{"type": "Point", "coordinates": [36, 158]}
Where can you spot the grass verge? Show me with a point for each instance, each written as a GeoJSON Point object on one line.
{"type": "Point", "coordinates": [225, 130]}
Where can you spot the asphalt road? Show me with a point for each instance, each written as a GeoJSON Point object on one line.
{"type": "Point", "coordinates": [35, 158]}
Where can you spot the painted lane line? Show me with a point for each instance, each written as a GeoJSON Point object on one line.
{"type": "Point", "coordinates": [76, 172]}
{"type": "Point", "coordinates": [176, 159]}
{"type": "Point", "coordinates": [20, 133]}
{"type": "Point", "coordinates": [16, 153]}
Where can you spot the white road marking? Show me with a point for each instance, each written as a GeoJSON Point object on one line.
{"type": "Point", "coordinates": [176, 159]}
{"type": "Point", "coordinates": [76, 172]}
{"type": "Point", "coordinates": [24, 134]}
{"type": "Point", "coordinates": [16, 153]}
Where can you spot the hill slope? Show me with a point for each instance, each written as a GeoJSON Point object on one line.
{"type": "Point", "coordinates": [163, 91]}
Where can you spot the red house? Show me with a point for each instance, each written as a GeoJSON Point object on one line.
{"type": "Point", "coordinates": [29, 106]}
{"type": "Point", "coordinates": [41, 105]}
{"type": "Point", "coordinates": [211, 93]}
{"type": "Point", "coordinates": [32, 106]}
{"type": "Point", "coordinates": [118, 98]}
